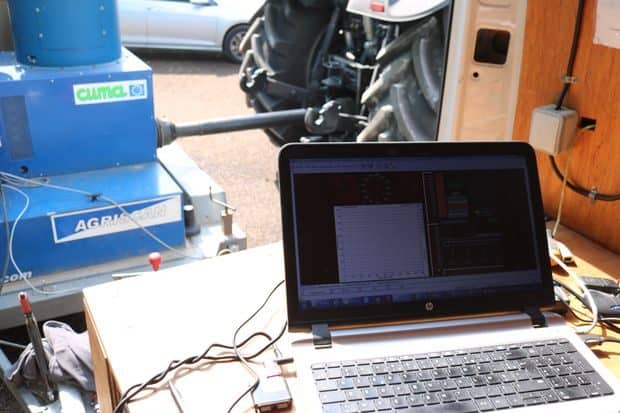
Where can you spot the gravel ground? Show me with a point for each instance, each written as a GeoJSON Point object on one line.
{"type": "Point", "coordinates": [195, 87]}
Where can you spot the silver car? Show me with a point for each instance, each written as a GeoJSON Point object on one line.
{"type": "Point", "coordinates": [209, 25]}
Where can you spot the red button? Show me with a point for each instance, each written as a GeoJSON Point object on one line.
{"type": "Point", "coordinates": [155, 260]}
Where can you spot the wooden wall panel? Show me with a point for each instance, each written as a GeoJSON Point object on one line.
{"type": "Point", "coordinates": [595, 158]}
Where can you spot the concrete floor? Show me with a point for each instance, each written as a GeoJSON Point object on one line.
{"type": "Point", "coordinates": [197, 86]}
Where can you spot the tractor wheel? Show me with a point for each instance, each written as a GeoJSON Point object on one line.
{"type": "Point", "coordinates": [404, 101]}
{"type": "Point", "coordinates": [281, 44]}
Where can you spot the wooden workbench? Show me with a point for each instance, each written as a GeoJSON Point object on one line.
{"type": "Point", "coordinates": [137, 326]}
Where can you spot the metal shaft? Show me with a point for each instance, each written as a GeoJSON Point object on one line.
{"type": "Point", "coordinates": [168, 131]}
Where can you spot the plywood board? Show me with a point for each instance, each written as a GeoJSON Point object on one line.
{"type": "Point", "coordinates": [596, 95]}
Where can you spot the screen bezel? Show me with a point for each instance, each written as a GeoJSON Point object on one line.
{"type": "Point", "coordinates": [540, 296]}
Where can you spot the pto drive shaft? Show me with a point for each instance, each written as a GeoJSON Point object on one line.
{"type": "Point", "coordinates": [168, 131]}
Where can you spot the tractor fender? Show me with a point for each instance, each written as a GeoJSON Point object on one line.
{"type": "Point", "coordinates": [395, 10]}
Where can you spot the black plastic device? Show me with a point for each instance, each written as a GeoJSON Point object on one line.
{"type": "Point", "coordinates": [608, 304]}
{"type": "Point", "coordinates": [602, 284]}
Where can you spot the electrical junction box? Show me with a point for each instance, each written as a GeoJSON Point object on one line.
{"type": "Point", "coordinates": [553, 131]}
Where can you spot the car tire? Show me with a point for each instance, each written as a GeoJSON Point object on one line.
{"type": "Point", "coordinates": [283, 46]}
{"type": "Point", "coordinates": [232, 43]}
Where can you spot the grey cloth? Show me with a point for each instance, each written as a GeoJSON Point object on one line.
{"type": "Point", "coordinates": [68, 355]}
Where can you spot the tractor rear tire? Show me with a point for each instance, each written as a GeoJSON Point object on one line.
{"type": "Point", "coordinates": [405, 101]}
{"type": "Point", "coordinates": [283, 44]}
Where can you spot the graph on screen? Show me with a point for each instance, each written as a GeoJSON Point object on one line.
{"type": "Point", "coordinates": [380, 242]}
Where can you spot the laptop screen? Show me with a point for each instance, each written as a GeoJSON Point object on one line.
{"type": "Point", "coordinates": [378, 233]}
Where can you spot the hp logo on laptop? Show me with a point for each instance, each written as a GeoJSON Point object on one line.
{"type": "Point", "coordinates": [429, 306]}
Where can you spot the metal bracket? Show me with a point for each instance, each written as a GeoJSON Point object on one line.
{"type": "Point", "coordinates": [287, 91]}
{"type": "Point", "coordinates": [259, 81]}
{"type": "Point", "coordinates": [321, 336]}
{"type": "Point", "coordinates": [569, 79]}
{"type": "Point", "coordinates": [593, 195]}
{"type": "Point", "coordinates": [227, 218]}
{"type": "Point", "coordinates": [537, 317]}
{"type": "Point", "coordinates": [220, 203]}
{"type": "Point", "coordinates": [328, 118]}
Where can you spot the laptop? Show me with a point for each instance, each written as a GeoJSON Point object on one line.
{"type": "Point", "coordinates": [415, 278]}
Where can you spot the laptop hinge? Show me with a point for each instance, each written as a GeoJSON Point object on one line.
{"type": "Point", "coordinates": [537, 317]}
{"type": "Point", "coordinates": [321, 336]}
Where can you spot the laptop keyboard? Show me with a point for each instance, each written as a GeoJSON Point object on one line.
{"type": "Point", "coordinates": [472, 380]}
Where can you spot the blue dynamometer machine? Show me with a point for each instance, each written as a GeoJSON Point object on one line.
{"type": "Point", "coordinates": [76, 110]}
{"type": "Point", "coordinates": [89, 182]}
{"type": "Point", "coordinates": [86, 190]}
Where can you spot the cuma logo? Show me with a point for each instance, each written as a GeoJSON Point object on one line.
{"type": "Point", "coordinates": [100, 93]}
{"type": "Point", "coordinates": [107, 92]}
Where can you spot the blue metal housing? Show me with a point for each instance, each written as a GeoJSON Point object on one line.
{"type": "Point", "coordinates": [89, 128]}
{"type": "Point", "coordinates": [65, 32]}
{"type": "Point", "coordinates": [58, 120]}
{"type": "Point", "coordinates": [63, 230]}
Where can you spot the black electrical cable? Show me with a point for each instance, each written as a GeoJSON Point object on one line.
{"type": "Point", "coordinates": [608, 323]}
{"type": "Point", "coordinates": [261, 351]}
{"type": "Point", "coordinates": [573, 54]}
{"type": "Point", "coordinates": [569, 289]}
{"type": "Point", "coordinates": [175, 364]}
{"type": "Point", "coordinates": [134, 390]}
{"type": "Point", "coordinates": [256, 382]}
{"type": "Point", "coordinates": [602, 320]}
{"type": "Point", "coordinates": [582, 191]}
{"type": "Point", "coordinates": [577, 296]}
{"type": "Point", "coordinates": [5, 216]}
{"type": "Point", "coordinates": [241, 358]}
{"type": "Point", "coordinates": [567, 82]}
